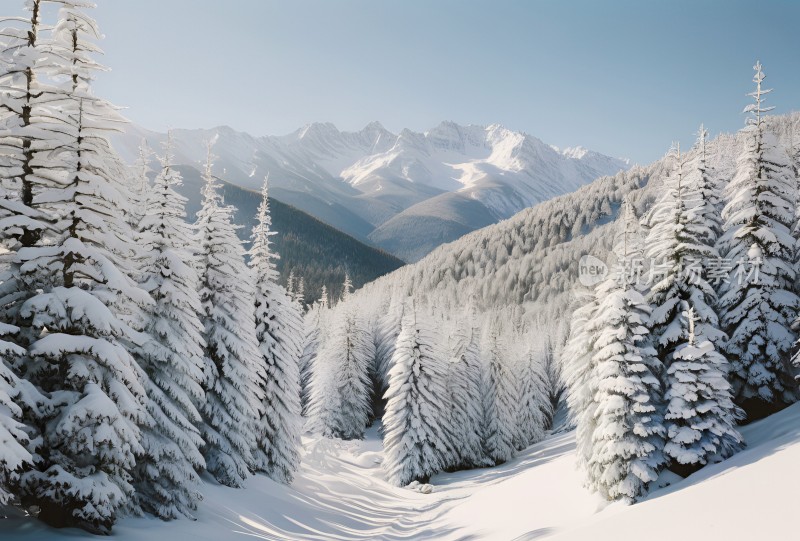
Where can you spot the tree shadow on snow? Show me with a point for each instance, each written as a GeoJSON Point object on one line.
{"type": "Point", "coordinates": [763, 438]}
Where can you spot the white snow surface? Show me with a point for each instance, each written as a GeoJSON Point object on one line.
{"type": "Point", "coordinates": [341, 494]}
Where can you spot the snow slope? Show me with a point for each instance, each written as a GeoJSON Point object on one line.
{"type": "Point", "coordinates": [374, 184]}
{"type": "Point", "coordinates": [341, 494]}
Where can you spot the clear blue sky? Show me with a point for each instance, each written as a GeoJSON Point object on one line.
{"type": "Point", "coordinates": [621, 77]}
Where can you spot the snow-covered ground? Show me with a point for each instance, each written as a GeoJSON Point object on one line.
{"type": "Point", "coordinates": [341, 494]}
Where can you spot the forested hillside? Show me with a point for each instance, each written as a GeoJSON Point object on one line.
{"type": "Point", "coordinates": [164, 334]}
{"type": "Point", "coordinates": [309, 249]}
{"type": "Point", "coordinates": [510, 296]}
{"type": "Point", "coordinates": [405, 192]}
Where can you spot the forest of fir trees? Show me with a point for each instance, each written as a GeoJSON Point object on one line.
{"type": "Point", "coordinates": [138, 350]}
{"type": "Point", "coordinates": [692, 332]}
{"type": "Point", "coordinates": [141, 351]}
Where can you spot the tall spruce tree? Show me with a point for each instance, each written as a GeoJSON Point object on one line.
{"type": "Point", "coordinates": [700, 416]}
{"type": "Point", "coordinates": [347, 288]}
{"type": "Point", "coordinates": [315, 322]}
{"type": "Point", "coordinates": [499, 398]}
{"type": "Point", "coordinates": [578, 369]}
{"type": "Point", "coordinates": [757, 304]}
{"type": "Point", "coordinates": [416, 430]}
{"type": "Point", "coordinates": [680, 244]}
{"type": "Point", "coordinates": [463, 383]}
{"type": "Point", "coordinates": [25, 100]}
{"type": "Point", "coordinates": [684, 230]}
{"type": "Point", "coordinates": [533, 394]}
{"type": "Point", "coordinates": [233, 378]}
{"type": "Point", "coordinates": [627, 426]}
{"type": "Point", "coordinates": [278, 328]}
{"type": "Point", "coordinates": [79, 345]}
{"type": "Point", "coordinates": [166, 482]}
{"type": "Point", "coordinates": [339, 401]}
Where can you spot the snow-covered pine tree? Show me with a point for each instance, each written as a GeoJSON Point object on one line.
{"type": "Point", "coordinates": [704, 180]}
{"type": "Point", "coordinates": [15, 449]}
{"type": "Point", "coordinates": [300, 295]}
{"type": "Point", "coordinates": [140, 184]}
{"type": "Point", "coordinates": [165, 478]}
{"type": "Point", "coordinates": [339, 400]}
{"type": "Point", "coordinates": [278, 328]}
{"type": "Point", "coordinates": [24, 102]}
{"type": "Point", "coordinates": [499, 398]}
{"type": "Point", "coordinates": [684, 227]}
{"type": "Point", "coordinates": [548, 365]}
{"type": "Point", "coordinates": [684, 235]}
{"type": "Point", "coordinates": [578, 370]}
{"type": "Point", "coordinates": [314, 322]}
{"type": "Point", "coordinates": [757, 304]}
{"type": "Point", "coordinates": [700, 417]}
{"type": "Point", "coordinates": [463, 382]}
{"type": "Point", "coordinates": [534, 407]}
{"type": "Point", "coordinates": [233, 378]}
{"type": "Point", "coordinates": [415, 424]}
{"type": "Point", "coordinates": [72, 49]}
{"type": "Point", "coordinates": [387, 329]}
{"type": "Point", "coordinates": [324, 302]}
{"type": "Point", "coordinates": [628, 432]}
{"type": "Point", "coordinates": [291, 285]}
{"type": "Point", "coordinates": [347, 288]}
{"type": "Point", "coordinates": [79, 352]}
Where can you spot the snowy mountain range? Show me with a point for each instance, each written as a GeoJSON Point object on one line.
{"type": "Point", "coordinates": [408, 192]}
{"type": "Point", "coordinates": [532, 259]}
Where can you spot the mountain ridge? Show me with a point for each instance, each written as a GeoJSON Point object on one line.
{"type": "Point", "coordinates": [360, 181]}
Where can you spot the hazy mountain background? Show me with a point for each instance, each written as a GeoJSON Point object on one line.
{"type": "Point", "coordinates": [315, 251]}
{"type": "Point", "coordinates": [406, 193]}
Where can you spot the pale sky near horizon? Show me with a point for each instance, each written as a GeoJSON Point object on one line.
{"type": "Point", "coordinates": [621, 77]}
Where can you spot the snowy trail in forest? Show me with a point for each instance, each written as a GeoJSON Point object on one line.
{"type": "Point", "coordinates": [341, 494]}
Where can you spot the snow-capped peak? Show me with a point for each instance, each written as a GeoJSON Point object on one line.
{"type": "Point", "coordinates": [576, 153]}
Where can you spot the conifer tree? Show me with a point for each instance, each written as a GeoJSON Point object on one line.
{"type": "Point", "coordinates": [323, 297]}
{"type": "Point", "coordinates": [278, 333]}
{"type": "Point", "coordinates": [300, 295]}
{"type": "Point", "coordinates": [166, 483]}
{"type": "Point", "coordinates": [415, 423]}
{"type": "Point", "coordinates": [757, 304]}
{"type": "Point", "coordinates": [627, 426]}
{"type": "Point", "coordinates": [700, 417]}
{"type": "Point", "coordinates": [339, 401]}
{"type": "Point", "coordinates": [681, 241]}
{"type": "Point", "coordinates": [24, 105]}
{"type": "Point", "coordinates": [534, 408]}
{"type": "Point", "coordinates": [140, 184]}
{"type": "Point", "coordinates": [79, 350]}
{"type": "Point", "coordinates": [314, 326]}
{"type": "Point", "coordinates": [578, 369]}
{"type": "Point", "coordinates": [464, 394]}
{"type": "Point", "coordinates": [387, 328]}
{"type": "Point", "coordinates": [233, 380]}
{"type": "Point", "coordinates": [16, 449]}
{"type": "Point", "coordinates": [24, 102]}
{"type": "Point", "coordinates": [347, 288]}
{"type": "Point", "coordinates": [499, 399]}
